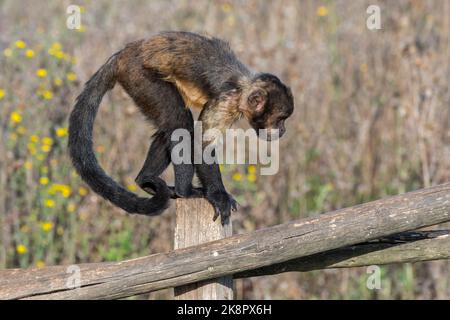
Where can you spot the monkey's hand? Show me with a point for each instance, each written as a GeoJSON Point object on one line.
{"type": "Point", "coordinates": [223, 204]}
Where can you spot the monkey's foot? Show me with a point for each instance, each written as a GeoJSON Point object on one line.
{"type": "Point", "coordinates": [192, 193]}
{"type": "Point", "coordinates": [195, 193]}
{"type": "Point", "coordinates": [223, 204]}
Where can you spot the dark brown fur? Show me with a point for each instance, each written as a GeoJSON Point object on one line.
{"type": "Point", "coordinates": [165, 76]}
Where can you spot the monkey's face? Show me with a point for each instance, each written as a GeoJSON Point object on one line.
{"type": "Point", "coordinates": [267, 106]}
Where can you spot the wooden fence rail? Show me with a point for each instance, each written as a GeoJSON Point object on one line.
{"type": "Point", "coordinates": [327, 240]}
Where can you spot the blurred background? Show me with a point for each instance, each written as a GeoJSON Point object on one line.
{"type": "Point", "coordinates": [372, 119]}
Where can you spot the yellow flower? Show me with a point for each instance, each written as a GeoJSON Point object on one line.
{"type": "Point", "coordinates": [322, 11]}
{"type": "Point", "coordinates": [66, 191]}
{"type": "Point", "coordinates": [44, 170]}
{"type": "Point", "coordinates": [47, 226]}
{"type": "Point", "coordinates": [49, 203]}
{"type": "Point", "coordinates": [41, 73]}
{"type": "Point", "coordinates": [251, 169]}
{"type": "Point", "coordinates": [44, 181]}
{"type": "Point", "coordinates": [46, 148]}
{"type": "Point", "coordinates": [56, 46]}
{"type": "Point", "coordinates": [131, 187]}
{"type": "Point", "coordinates": [40, 264]}
{"type": "Point", "coordinates": [28, 165]}
{"type": "Point", "coordinates": [40, 157]}
{"type": "Point", "coordinates": [57, 82]}
{"type": "Point", "coordinates": [29, 53]}
{"type": "Point", "coordinates": [21, 249]}
{"type": "Point", "coordinates": [251, 177]}
{"type": "Point", "coordinates": [71, 207]}
{"type": "Point", "coordinates": [34, 138]}
{"type": "Point", "coordinates": [82, 9]}
{"type": "Point", "coordinates": [47, 95]}
{"type": "Point", "coordinates": [221, 167]}
{"type": "Point", "coordinates": [59, 54]}
{"type": "Point", "coordinates": [2, 94]}
{"type": "Point", "coordinates": [31, 148]}
{"type": "Point", "coordinates": [61, 132]}
{"type": "Point", "coordinates": [7, 52]}
{"type": "Point", "coordinates": [21, 130]}
{"type": "Point", "coordinates": [16, 117]}
{"type": "Point", "coordinates": [82, 191]}
{"type": "Point", "coordinates": [47, 141]}
{"type": "Point", "coordinates": [73, 60]}
{"type": "Point", "coordinates": [52, 51]}
{"type": "Point", "coordinates": [71, 76]}
{"type": "Point", "coordinates": [53, 189]}
{"type": "Point", "coordinates": [237, 176]}
{"type": "Point", "coordinates": [20, 44]}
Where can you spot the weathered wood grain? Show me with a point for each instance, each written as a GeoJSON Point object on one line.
{"type": "Point", "coordinates": [238, 253]}
{"type": "Point", "coordinates": [194, 226]}
{"type": "Point", "coordinates": [401, 248]}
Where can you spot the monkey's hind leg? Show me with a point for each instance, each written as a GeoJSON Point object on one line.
{"type": "Point", "coordinates": [155, 163]}
{"type": "Point", "coordinates": [157, 160]}
{"type": "Point", "coordinates": [172, 115]}
{"type": "Point", "coordinates": [184, 172]}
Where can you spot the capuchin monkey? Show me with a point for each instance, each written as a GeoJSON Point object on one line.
{"type": "Point", "coordinates": [165, 76]}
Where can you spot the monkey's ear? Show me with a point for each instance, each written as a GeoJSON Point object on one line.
{"type": "Point", "coordinates": [256, 100]}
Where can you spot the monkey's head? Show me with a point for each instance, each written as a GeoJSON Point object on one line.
{"type": "Point", "coordinates": [267, 104]}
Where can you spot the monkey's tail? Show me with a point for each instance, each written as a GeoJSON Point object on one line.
{"type": "Point", "coordinates": [81, 125]}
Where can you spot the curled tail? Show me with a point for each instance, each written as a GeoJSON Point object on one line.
{"type": "Point", "coordinates": [81, 125]}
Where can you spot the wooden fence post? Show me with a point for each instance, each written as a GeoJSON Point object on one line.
{"type": "Point", "coordinates": [194, 225]}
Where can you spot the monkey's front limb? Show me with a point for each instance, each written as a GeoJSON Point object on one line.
{"type": "Point", "coordinates": [209, 173]}
{"type": "Point", "coordinates": [214, 191]}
